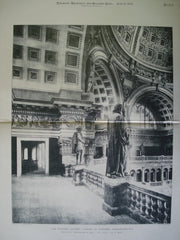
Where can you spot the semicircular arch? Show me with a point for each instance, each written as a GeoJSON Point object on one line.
{"type": "Point", "coordinates": [159, 102]}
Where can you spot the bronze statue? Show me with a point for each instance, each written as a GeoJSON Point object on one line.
{"type": "Point", "coordinates": [117, 143]}
{"type": "Point", "coordinates": [78, 143]}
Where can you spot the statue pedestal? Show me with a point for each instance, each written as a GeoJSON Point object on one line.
{"type": "Point", "coordinates": [78, 175]}
{"type": "Point", "coordinates": [114, 195]}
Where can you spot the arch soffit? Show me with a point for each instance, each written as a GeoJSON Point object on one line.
{"type": "Point", "coordinates": [98, 54]}
{"type": "Point", "coordinates": [141, 91]}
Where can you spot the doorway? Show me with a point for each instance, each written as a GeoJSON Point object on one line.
{"type": "Point", "coordinates": [33, 157]}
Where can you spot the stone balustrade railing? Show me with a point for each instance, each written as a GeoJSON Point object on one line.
{"type": "Point", "coordinates": [147, 206]}
{"type": "Point", "coordinates": [143, 205]}
{"type": "Point", "coordinates": [92, 180]}
{"type": "Point", "coordinates": [151, 158]}
{"type": "Point", "coordinates": [69, 169]}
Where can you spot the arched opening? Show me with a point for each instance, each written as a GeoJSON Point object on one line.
{"type": "Point", "coordinates": [102, 88]}
{"type": "Point", "coordinates": [170, 174]}
{"type": "Point", "coordinates": [165, 174]}
{"type": "Point", "coordinates": [152, 112]}
{"type": "Point", "coordinates": [132, 173]}
{"type": "Point", "coordinates": [139, 175]}
{"type": "Point", "coordinates": [158, 175]}
{"type": "Point", "coordinates": [146, 175]}
{"type": "Point", "coordinates": [25, 153]}
{"type": "Point", "coordinates": [153, 109]}
{"type": "Point", "coordinates": [152, 175]}
{"type": "Point", "coordinates": [141, 113]}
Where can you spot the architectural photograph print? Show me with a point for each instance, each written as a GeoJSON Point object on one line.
{"type": "Point", "coordinates": [92, 124]}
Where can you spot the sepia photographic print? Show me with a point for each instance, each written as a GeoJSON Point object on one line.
{"type": "Point", "coordinates": [92, 124]}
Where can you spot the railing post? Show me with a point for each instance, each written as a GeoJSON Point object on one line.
{"type": "Point", "coordinates": [78, 177]}
{"type": "Point", "coordinates": [115, 197]}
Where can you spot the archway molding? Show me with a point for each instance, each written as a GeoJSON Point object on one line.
{"type": "Point", "coordinates": [144, 90]}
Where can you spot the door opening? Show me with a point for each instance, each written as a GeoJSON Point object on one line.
{"type": "Point", "coordinates": [33, 157]}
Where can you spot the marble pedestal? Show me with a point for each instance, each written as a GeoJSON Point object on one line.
{"type": "Point", "coordinates": [115, 196]}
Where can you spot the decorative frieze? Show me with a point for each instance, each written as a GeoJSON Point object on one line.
{"type": "Point", "coordinates": [28, 116]}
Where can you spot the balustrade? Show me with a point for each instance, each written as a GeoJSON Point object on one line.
{"type": "Point", "coordinates": [69, 171]}
{"type": "Point", "coordinates": [153, 206]}
{"type": "Point", "coordinates": [151, 158]}
{"type": "Point", "coordinates": [147, 206]}
{"type": "Point", "coordinates": [95, 179]}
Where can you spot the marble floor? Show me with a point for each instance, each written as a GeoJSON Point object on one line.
{"type": "Point", "coordinates": [55, 200]}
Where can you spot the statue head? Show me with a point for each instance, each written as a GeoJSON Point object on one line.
{"type": "Point", "coordinates": [79, 129]}
{"type": "Point", "coordinates": [118, 108]}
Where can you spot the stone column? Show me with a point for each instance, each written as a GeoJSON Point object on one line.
{"type": "Point", "coordinates": [162, 178]}
{"type": "Point", "coordinates": [43, 155]}
{"type": "Point", "coordinates": [104, 150]}
{"type": "Point", "coordinates": [19, 158]}
{"type": "Point", "coordinates": [155, 177]}
{"type": "Point", "coordinates": [143, 175]}
{"type": "Point", "coordinates": [47, 157]}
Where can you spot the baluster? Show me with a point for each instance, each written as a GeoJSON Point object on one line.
{"type": "Point", "coordinates": [133, 199]}
{"type": "Point", "coordinates": [154, 207]}
{"type": "Point", "coordinates": [93, 180]}
{"type": "Point", "coordinates": [87, 178]}
{"type": "Point", "coordinates": [71, 172]}
{"type": "Point", "coordinates": [129, 195]}
{"type": "Point", "coordinates": [80, 177]}
{"type": "Point", "coordinates": [140, 202]}
{"type": "Point", "coordinates": [84, 177]}
{"type": "Point", "coordinates": [68, 171]}
{"type": "Point", "coordinates": [91, 177]}
{"type": "Point", "coordinates": [77, 178]}
{"type": "Point", "coordinates": [92, 183]}
{"type": "Point", "coordinates": [160, 211]}
{"type": "Point", "coordinates": [138, 199]}
{"type": "Point", "coordinates": [100, 182]}
{"type": "Point", "coordinates": [143, 208]}
{"type": "Point", "coordinates": [148, 206]}
{"type": "Point", "coordinates": [167, 212]}
{"type": "Point", "coordinates": [103, 183]}
{"type": "Point", "coordinates": [96, 181]}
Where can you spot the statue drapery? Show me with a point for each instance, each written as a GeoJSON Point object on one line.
{"type": "Point", "coordinates": [117, 143]}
